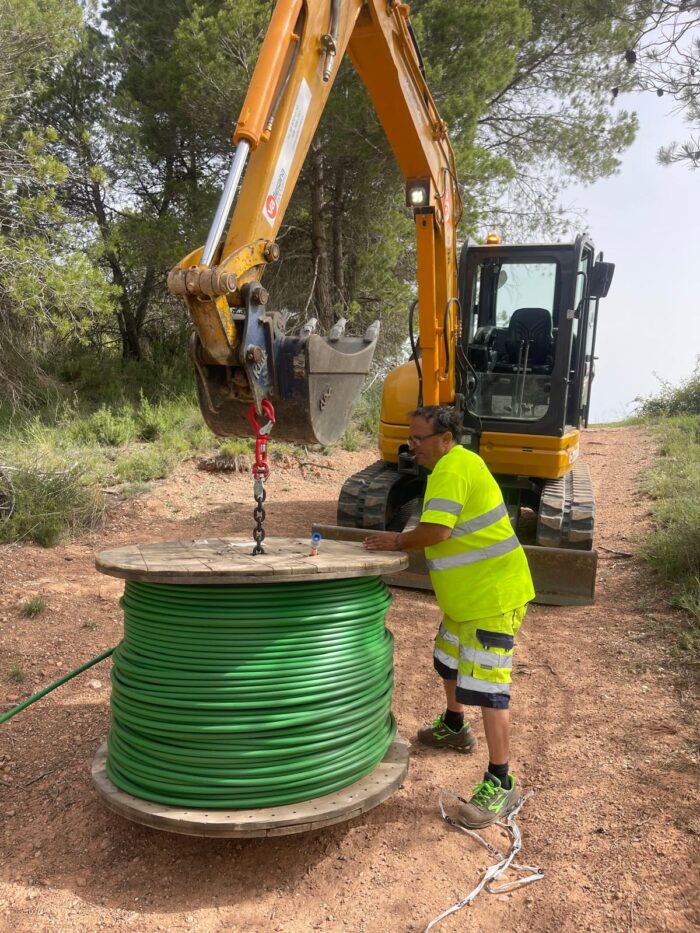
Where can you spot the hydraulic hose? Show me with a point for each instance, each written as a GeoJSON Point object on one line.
{"type": "Point", "coordinates": [414, 351]}
{"type": "Point", "coordinates": [231, 697]}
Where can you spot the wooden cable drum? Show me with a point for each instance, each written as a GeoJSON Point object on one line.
{"type": "Point", "coordinates": [251, 695]}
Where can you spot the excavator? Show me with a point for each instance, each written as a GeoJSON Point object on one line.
{"type": "Point", "coordinates": [504, 333]}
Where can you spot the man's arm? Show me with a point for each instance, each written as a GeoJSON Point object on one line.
{"type": "Point", "coordinates": [423, 535]}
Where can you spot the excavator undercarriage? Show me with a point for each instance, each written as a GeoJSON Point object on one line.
{"type": "Point", "coordinates": [562, 562]}
{"type": "Point", "coordinates": [566, 513]}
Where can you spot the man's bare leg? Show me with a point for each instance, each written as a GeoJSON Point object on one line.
{"type": "Point", "coordinates": [489, 803]}
{"type": "Point", "coordinates": [451, 695]}
{"type": "Point", "coordinates": [496, 724]}
{"type": "Point", "coordinates": [497, 730]}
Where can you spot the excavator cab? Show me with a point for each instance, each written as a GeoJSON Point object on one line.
{"type": "Point", "coordinates": [528, 331]}
{"type": "Point", "coordinates": [523, 367]}
{"type": "Point", "coordinates": [527, 346]}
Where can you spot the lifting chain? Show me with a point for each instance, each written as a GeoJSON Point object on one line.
{"type": "Point", "coordinates": [261, 469]}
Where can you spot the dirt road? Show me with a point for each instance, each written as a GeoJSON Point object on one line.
{"type": "Point", "coordinates": [604, 735]}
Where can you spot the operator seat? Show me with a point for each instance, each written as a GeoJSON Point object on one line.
{"type": "Point", "coordinates": [533, 327]}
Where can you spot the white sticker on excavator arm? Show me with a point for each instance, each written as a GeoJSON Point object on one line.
{"type": "Point", "coordinates": [447, 210]}
{"type": "Point", "coordinates": [286, 156]}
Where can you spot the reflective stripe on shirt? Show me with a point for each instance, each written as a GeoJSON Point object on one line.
{"type": "Point", "coordinates": [447, 636]}
{"type": "Point", "coordinates": [481, 521]}
{"type": "Point", "coordinates": [443, 505]}
{"type": "Point", "coordinates": [473, 557]}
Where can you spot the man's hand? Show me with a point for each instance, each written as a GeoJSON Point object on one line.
{"type": "Point", "coordinates": [386, 541]}
{"type": "Point", "coordinates": [423, 535]}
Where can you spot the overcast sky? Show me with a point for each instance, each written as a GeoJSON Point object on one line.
{"type": "Point", "coordinates": [646, 219]}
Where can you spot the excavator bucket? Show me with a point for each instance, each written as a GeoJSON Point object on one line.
{"type": "Point", "coordinates": [561, 576]}
{"type": "Point", "coordinates": [313, 383]}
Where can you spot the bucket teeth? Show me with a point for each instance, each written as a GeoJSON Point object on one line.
{"type": "Point", "coordinates": [372, 332]}
{"type": "Point", "coordinates": [338, 330]}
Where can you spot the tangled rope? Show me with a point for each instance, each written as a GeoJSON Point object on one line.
{"type": "Point", "coordinates": [530, 873]}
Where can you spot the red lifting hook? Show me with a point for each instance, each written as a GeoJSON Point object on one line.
{"type": "Point", "coordinates": [267, 410]}
{"type": "Point", "coordinates": [261, 470]}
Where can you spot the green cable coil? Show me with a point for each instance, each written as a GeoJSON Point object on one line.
{"type": "Point", "coordinates": [236, 697]}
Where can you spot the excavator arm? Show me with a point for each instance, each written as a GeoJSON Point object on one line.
{"type": "Point", "coordinates": [240, 351]}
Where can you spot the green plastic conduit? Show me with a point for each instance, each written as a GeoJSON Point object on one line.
{"type": "Point", "coordinates": [250, 696]}
{"type": "Point", "coordinates": [57, 683]}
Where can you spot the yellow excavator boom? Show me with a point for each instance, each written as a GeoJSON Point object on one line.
{"type": "Point", "coordinates": [240, 352]}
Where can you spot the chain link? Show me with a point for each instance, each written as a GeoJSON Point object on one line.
{"type": "Point", "coordinates": [259, 516]}
{"type": "Point", "coordinates": [261, 470]}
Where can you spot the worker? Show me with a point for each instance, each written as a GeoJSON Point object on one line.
{"type": "Point", "coordinates": [482, 583]}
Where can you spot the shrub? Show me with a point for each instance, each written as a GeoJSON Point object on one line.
{"type": "Point", "coordinates": [104, 379]}
{"type": "Point", "coordinates": [49, 503]}
{"type": "Point", "coordinates": [145, 464]}
{"type": "Point", "coordinates": [351, 440]}
{"type": "Point", "coordinates": [283, 451]}
{"type": "Point", "coordinates": [367, 412]}
{"type": "Point", "coordinates": [105, 427]}
{"type": "Point", "coordinates": [673, 548]}
{"type": "Point", "coordinates": [33, 607]}
{"type": "Point", "coordinates": [200, 438]}
{"type": "Point", "coordinates": [233, 446]}
{"type": "Point", "coordinates": [674, 400]}
{"type": "Point", "coordinates": [151, 422]}
{"type": "Point", "coordinates": [156, 420]}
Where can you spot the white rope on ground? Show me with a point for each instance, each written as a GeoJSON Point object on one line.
{"type": "Point", "coordinates": [531, 873]}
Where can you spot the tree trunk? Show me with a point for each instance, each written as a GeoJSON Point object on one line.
{"type": "Point", "coordinates": [338, 224]}
{"type": "Point", "coordinates": [129, 328]}
{"type": "Point", "coordinates": [319, 245]}
{"type": "Point", "coordinates": [131, 336]}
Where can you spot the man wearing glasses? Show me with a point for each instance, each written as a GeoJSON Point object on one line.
{"type": "Point", "coordinates": [482, 584]}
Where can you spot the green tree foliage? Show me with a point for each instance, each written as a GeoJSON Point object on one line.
{"type": "Point", "coordinates": [554, 121]}
{"type": "Point", "coordinates": [49, 288]}
{"type": "Point", "coordinates": [132, 159]}
{"type": "Point", "coordinates": [347, 241]}
{"type": "Point", "coordinates": [34, 38]}
{"type": "Point", "coordinates": [470, 52]}
{"type": "Point", "coordinates": [140, 122]}
{"type": "Point", "coordinates": [666, 60]}
{"type": "Point", "coordinates": [347, 207]}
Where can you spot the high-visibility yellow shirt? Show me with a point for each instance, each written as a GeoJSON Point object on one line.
{"type": "Point", "coordinates": [481, 569]}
